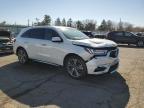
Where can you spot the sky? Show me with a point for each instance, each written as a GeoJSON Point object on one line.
{"type": "Point", "coordinates": [20, 11]}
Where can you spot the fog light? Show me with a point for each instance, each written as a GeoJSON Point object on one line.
{"type": "Point", "coordinates": [100, 69]}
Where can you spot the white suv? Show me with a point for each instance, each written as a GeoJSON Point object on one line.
{"type": "Point", "coordinates": [67, 47]}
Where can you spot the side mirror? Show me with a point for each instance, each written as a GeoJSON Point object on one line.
{"type": "Point", "coordinates": [56, 39]}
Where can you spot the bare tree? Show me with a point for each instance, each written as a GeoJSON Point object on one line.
{"type": "Point", "coordinates": [128, 26]}
{"type": "Point", "coordinates": [120, 26]}
{"type": "Point", "coordinates": [110, 25]}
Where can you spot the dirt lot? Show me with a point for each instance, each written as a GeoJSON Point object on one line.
{"type": "Point", "coordinates": [45, 86]}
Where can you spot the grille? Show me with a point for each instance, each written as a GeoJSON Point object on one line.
{"type": "Point", "coordinates": [106, 48]}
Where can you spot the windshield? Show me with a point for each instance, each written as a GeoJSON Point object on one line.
{"type": "Point", "coordinates": [73, 34]}
{"type": "Point", "coordinates": [4, 34]}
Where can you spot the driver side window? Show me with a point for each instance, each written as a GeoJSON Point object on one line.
{"type": "Point", "coordinates": [118, 33]}
{"type": "Point", "coordinates": [49, 33]}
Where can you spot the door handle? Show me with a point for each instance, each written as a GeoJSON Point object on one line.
{"type": "Point", "coordinates": [26, 42]}
{"type": "Point", "coordinates": [44, 44]}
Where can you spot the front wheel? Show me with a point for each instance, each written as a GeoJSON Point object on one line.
{"type": "Point", "coordinates": [76, 67]}
{"type": "Point", "coordinates": [140, 43]}
{"type": "Point", "coordinates": [22, 56]}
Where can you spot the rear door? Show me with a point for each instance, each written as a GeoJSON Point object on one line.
{"type": "Point", "coordinates": [33, 41]}
{"type": "Point", "coordinates": [119, 37]}
{"type": "Point", "coordinates": [129, 37]}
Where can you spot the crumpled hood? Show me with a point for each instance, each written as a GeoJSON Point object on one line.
{"type": "Point", "coordinates": [95, 43]}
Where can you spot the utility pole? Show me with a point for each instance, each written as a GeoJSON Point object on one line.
{"type": "Point", "coordinates": [37, 20]}
{"type": "Point", "coordinates": [32, 24]}
{"type": "Point", "coordinates": [28, 22]}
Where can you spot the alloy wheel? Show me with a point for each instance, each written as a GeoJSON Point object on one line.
{"type": "Point", "coordinates": [22, 56]}
{"type": "Point", "coordinates": [140, 43]}
{"type": "Point", "coordinates": [75, 67]}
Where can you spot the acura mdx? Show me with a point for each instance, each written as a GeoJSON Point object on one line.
{"type": "Point", "coordinates": [67, 47]}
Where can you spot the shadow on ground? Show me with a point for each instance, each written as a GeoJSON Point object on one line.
{"type": "Point", "coordinates": [39, 84]}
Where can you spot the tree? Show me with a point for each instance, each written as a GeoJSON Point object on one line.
{"type": "Point", "coordinates": [79, 25]}
{"type": "Point", "coordinates": [120, 26]}
{"type": "Point", "coordinates": [110, 25]}
{"type": "Point", "coordinates": [46, 20]}
{"type": "Point", "coordinates": [128, 26]}
{"type": "Point", "coordinates": [58, 22]}
{"type": "Point", "coordinates": [90, 25]}
{"type": "Point", "coordinates": [63, 22]}
{"type": "Point", "coordinates": [103, 26]}
{"type": "Point", "coordinates": [138, 29]}
{"type": "Point", "coordinates": [69, 22]}
{"type": "Point", "coordinates": [3, 23]}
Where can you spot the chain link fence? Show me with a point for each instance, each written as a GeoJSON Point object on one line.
{"type": "Point", "coordinates": [14, 29]}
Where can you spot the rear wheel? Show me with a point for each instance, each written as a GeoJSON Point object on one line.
{"type": "Point", "coordinates": [22, 56]}
{"type": "Point", "coordinates": [76, 67]}
{"type": "Point", "coordinates": [140, 43]}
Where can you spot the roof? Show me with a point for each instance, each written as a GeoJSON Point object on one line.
{"type": "Point", "coordinates": [48, 27]}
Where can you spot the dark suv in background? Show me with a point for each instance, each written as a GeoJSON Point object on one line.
{"type": "Point", "coordinates": [89, 34]}
{"type": "Point", "coordinates": [126, 38]}
{"type": "Point", "coordinates": [94, 34]}
{"type": "Point", "coordinates": [6, 42]}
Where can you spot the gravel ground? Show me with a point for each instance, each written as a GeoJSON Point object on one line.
{"type": "Point", "coordinates": [43, 86]}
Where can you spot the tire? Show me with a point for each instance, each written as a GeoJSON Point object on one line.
{"type": "Point", "coordinates": [22, 56]}
{"type": "Point", "coordinates": [76, 67]}
{"type": "Point", "coordinates": [140, 43]}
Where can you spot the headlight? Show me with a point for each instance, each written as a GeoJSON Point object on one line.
{"type": "Point", "coordinates": [96, 52]}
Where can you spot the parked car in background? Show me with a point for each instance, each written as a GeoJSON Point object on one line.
{"type": "Point", "coordinates": [94, 35]}
{"type": "Point", "coordinates": [126, 38]}
{"type": "Point", "coordinates": [68, 47]}
{"type": "Point", "coordinates": [101, 36]}
{"type": "Point", "coordinates": [89, 34]}
{"type": "Point", "coordinates": [6, 42]}
{"type": "Point", "coordinates": [140, 34]}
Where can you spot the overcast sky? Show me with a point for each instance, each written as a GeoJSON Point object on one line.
{"type": "Point", "coordinates": [20, 11]}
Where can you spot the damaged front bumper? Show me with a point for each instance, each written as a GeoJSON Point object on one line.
{"type": "Point", "coordinates": [101, 65]}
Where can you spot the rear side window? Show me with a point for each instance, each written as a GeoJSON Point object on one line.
{"type": "Point", "coordinates": [118, 33]}
{"type": "Point", "coordinates": [37, 33]}
{"type": "Point", "coordinates": [26, 34]}
{"type": "Point", "coordinates": [49, 33]}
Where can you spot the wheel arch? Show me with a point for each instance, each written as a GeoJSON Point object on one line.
{"type": "Point", "coordinates": [69, 55]}
{"type": "Point", "coordinates": [20, 47]}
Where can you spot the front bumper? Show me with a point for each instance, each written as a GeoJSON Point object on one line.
{"type": "Point", "coordinates": [6, 49]}
{"type": "Point", "coordinates": [101, 65]}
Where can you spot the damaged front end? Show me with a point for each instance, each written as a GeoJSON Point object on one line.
{"type": "Point", "coordinates": [6, 44]}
